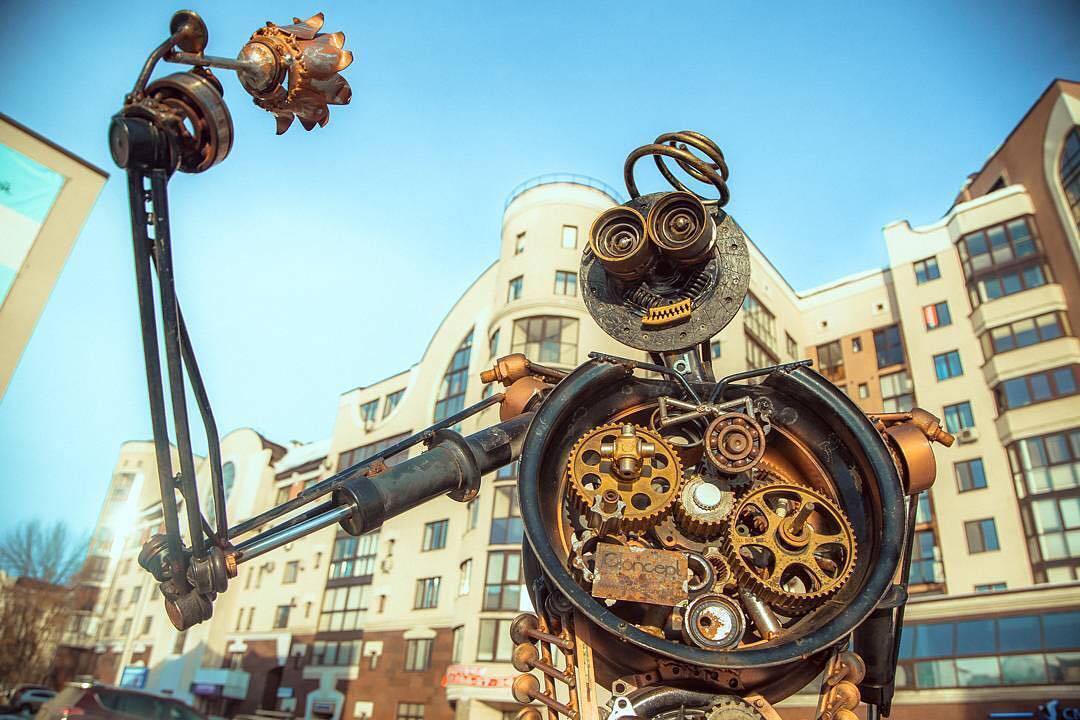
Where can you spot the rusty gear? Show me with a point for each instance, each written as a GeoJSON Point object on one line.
{"type": "Point", "coordinates": [636, 464]}
{"type": "Point", "coordinates": [791, 545]}
{"type": "Point", "coordinates": [703, 507]}
{"type": "Point", "coordinates": [734, 442]}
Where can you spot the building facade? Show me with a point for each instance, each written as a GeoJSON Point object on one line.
{"type": "Point", "coordinates": [973, 319]}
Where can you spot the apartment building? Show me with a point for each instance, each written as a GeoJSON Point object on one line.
{"type": "Point", "coordinates": [973, 319]}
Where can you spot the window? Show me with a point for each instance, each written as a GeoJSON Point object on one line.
{"type": "Point", "coordinates": [493, 643]}
{"type": "Point", "coordinates": [473, 506]}
{"type": "Point", "coordinates": [759, 320]}
{"type": "Point", "coordinates": [335, 653]}
{"type": "Point", "coordinates": [715, 349]}
{"type": "Point", "coordinates": [864, 391]}
{"type": "Point", "coordinates": [970, 475]}
{"type": "Point", "coordinates": [427, 593]}
{"type": "Point", "coordinates": [896, 392]}
{"type": "Point", "coordinates": [889, 346]}
{"type": "Point", "coordinates": [757, 355]}
{"type": "Point", "coordinates": [1001, 260]}
{"type": "Point", "coordinates": [118, 597]}
{"type": "Point", "coordinates": [519, 243]}
{"type": "Point", "coordinates": [1036, 388]}
{"type": "Point", "coordinates": [410, 711]}
{"type": "Point", "coordinates": [990, 651]}
{"type": "Point", "coordinates": [924, 510]}
{"type": "Point", "coordinates": [354, 556]}
{"type": "Point", "coordinates": [546, 339]}
{"type": "Point", "coordinates": [513, 288]}
{"type": "Point", "coordinates": [292, 570]}
{"type": "Point", "coordinates": [1056, 525]}
{"type": "Point", "coordinates": [792, 346]}
{"type": "Point", "coordinates": [1022, 333]}
{"type": "Point", "coordinates": [418, 654]}
{"type": "Point", "coordinates": [369, 411]}
{"type": "Point", "coordinates": [228, 478]}
{"type": "Point", "coordinates": [358, 454]}
{"type": "Point", "coordinates": [1070, 172]}
{"type": "Point", "coordinates": [947, 365]}
{"type": "Point", "coordinates": [281, 616]}
{"type": "Point", "coordinates": [282, 494]}
{"type": "Point", "coordinates": [493, 344]}
{"type": "Point", "coordinates": [830, 360]}
{"type": "Point", "coordinates": [925, 567]}
{"type": "Point", "coordinates": [981, 535]}
{"type": "Point", "coordinates": [342, 607]}
{"type": "Point", "coordinates": [391, 402]}
{"type": "Point", "coordinates": [565, 283]}
{"type": "Point", "coordinates": [926, 270]}
{"type": "Point", "coordinates": [457, 653]}
{"type": "Point", "coordinates": [936, 315]}
{"type": "Point", "coordinates": [148, 622]}
{"type": "Point", "coordinates": [506, 525]}
{"type": "Point", "coordinates": [451, 397]}
{"type": "Point", "coordinates": [569, 236]}
{"type": "Point", "coordinates": [465, 577]}
{"type": "Point", "coordinates": [991, 587]}
{"type": "Point", "coordinates": [435, 535]}
{"type": "Point", "coordinates": [136, 593]}
{"type": "Point", "coordinates": [1046, 463]}
{"type": "Point", "coordinates": [502, 584]}
{"type": "Point", "coordinates": [958, 417]}
{"type": "Point", "coordinates": [856, 344]}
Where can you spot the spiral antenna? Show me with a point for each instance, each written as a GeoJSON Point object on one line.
{"type": "Point", "coordinates": [682, 228]}
{"type": "Point", "coordinates": [619, 241]}
{"type": "Point", "coordinates": [711, 169]}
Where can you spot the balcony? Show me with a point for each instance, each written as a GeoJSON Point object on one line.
{"type": "Point", "coordinates": [1016, 306]}
{"type": "Point", "coordinates": [1033, 358]}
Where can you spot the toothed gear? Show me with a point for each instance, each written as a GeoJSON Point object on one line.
{"type": "Point", "coordinates": [647, 497]}
{"type": "Point", "coordinates": [819, 553]}
{"type": "Point", "coordinates": [703, 507]}
{"type": "Point", "coordinates": [733, 708]}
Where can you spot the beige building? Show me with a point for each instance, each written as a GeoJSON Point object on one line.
{"type": "Point", "coordinates": [411, 622]}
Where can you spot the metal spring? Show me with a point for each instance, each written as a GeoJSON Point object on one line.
{"type": "Point", "coordinates": [643, 298]}
{"type": "Point", "coordinates": [712, 169]}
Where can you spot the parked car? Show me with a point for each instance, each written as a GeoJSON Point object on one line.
{"type": "Point", "coordinates": [12, 695]}
{"type": "Point", "coordinates": [30, 698]}
{"type": "Point", "coordinates": [103, 702]}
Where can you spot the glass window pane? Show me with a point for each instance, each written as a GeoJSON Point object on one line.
{"type": "Point", "coordinates": [935, 673]}
{"type": "Point", "coordinates": [977, 672]}
{"type": "Point", "coordinates": [1065, 381]}
{"type": "Point", "coordinates": [1018, 633]}
{"type": "Point", "coordinates": [934, 640]}
{"type": "Point", "coordinates": [1023, 669]}
{"type": "Point", "coordinates": [1063, 668]}
{"type": "Point", "coordinates": [1062, 631]}
{"type": "Point", "coordinates": [975, 637]}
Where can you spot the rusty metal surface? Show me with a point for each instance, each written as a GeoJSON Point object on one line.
{"type": "Point", "coordinates": [656, 577]}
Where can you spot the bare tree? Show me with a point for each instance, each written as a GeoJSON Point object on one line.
{"type": "Point", "coordinates": [51, 554]}
{"type": "Point", "coordinates": [33, 617]}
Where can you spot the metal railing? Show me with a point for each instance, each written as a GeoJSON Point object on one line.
{"type": "Point", "coordinates": [553, 178]}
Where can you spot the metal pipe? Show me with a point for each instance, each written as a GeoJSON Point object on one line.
{"type": "Point", "coordinates": [200, 60]}
{"type": "Point", "coordinates": [764, 619]}
{"type": "Point", "coordinates": [326, 486]}
{"type": "Point", "coordinates": [274, 539]}
{"type": "Point", "coordinates": [718, 389]}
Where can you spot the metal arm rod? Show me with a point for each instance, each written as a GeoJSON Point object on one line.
{"type": "Point", "coordinates": [144, 287]}
{"type": "Point", "coordinates": [200, 60]}
{"type": "Point", "coordinates": [687, 388]}
{"type": "Point", "coordinates": [319, 489]}
{"type": "Point", "coordinates": [262, 544]}
{"type": "Point", "coordinates": [718, 389]}
{"type": "Point", "coordinates": [171, 330]}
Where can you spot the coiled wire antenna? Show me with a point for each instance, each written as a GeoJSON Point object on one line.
{"type": "Point", "coordinates": [712, 169]}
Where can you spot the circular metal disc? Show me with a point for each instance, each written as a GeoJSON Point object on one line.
{"type": "Point", "coordinates": [195, 38]}
{"type": "Point", "coordinates": [604, 297]}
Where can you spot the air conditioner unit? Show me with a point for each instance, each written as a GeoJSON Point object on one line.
{"type": "Point", "coordinates": [968, 435]}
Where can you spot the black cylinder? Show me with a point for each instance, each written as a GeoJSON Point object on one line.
{"type": "Point", "coordinates": [452, 466]}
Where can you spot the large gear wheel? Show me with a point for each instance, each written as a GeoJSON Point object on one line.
{"type": "Point", "coordinates": [791, 545]}
{"type": "Point", "coordinates": [625, 475]}
{"type": "Point", "coordinates": [733, 708]}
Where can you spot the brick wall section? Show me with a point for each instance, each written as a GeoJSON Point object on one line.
{"type": "Point", "coordinates": [389, 683]}
{"type": "Point", "coordinates": [259, 659]}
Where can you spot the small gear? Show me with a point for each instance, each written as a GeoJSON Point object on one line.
{"type": "Point", "coordinates": [791, 545]}
{"type": "Point", "coordinates": [703, 507]}
{"type": "Point", "coordinates": [734, 443]}
{"type": "Point", "coordinates": [627, 465]}
{"type": "Point", "coordinates": [733, 708]}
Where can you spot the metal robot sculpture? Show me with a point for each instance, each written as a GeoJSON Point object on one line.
{"type": "Point", "coordinates": [696, 548]}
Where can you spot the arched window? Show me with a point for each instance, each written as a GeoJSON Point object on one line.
{"type": "Point", "coordinates": [451, 397]}
{"type": "Point", "coordinates": [228, 477]}
{"type": "Point", "coordinates": [1070, 172]}
{"type": "Point", "coordinates": [546, 339]}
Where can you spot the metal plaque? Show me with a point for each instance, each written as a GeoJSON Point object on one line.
{"type": "Point", "coordinates": [640, 575]}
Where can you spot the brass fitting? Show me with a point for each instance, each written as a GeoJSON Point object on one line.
{"type": "Point", "coordinates": [508, 370]}
{"type": "Point", "coordinates": [627, 453]}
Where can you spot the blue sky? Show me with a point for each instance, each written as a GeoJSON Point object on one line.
{"type": "Point", "coordinates": [312, 263]}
